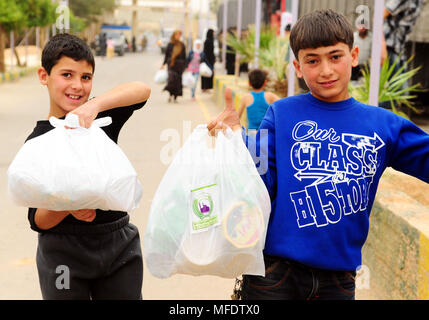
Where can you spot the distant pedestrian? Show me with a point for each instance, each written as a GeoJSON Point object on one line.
{"type": "Point", "coordinates": [207, 82]}
{"type": "Point", "coordinates": [400, 17]}
{"type": "Point", "coordinates": [230, 57]}
{"type": "Point", "coordinates": [362, 40]}
{"type": "Point", "coordinates": [195, 57]}
{"type": "Point", "coordinates": [102, 41]}
{"type": "Point", "coordinates": [175, 59]}
{"type": "Point", "coordinates": [110, 48]}
{"type": "Point", "coordinates": [257, 101]}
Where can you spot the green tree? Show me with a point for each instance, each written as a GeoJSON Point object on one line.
{"type": "Point", "coordinates": [91, 10]}
{"type": "Point", "coordinates": [40, 13]}
{"type": "Point", "coordinates": [11, 18]}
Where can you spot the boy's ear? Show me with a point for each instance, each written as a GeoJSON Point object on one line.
{"type": "Point", "coordinates": [355, 56]}
{"type": "Point", "coordinates": [43, 76]}
{"type": "Point", "coordinates": [297, 68]}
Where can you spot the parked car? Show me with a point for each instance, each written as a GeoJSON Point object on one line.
{"type": "Point", "coordinates": [118, 39]}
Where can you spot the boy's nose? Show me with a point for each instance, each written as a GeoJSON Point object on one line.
{"type": "Point", "coordinates": [77, 84]}
{"type": "Point", "coordinates": [326, 69]}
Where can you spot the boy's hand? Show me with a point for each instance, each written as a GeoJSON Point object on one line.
{"type": "Point", "coordinates": [227, 118]}
{"type": "Point", "coordinates": [86, 215]}
{"type": "Point", "coordinates": [87, 112]}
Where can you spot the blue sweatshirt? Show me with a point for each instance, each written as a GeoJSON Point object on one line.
{"type": "Point", "coordinates": [321, 163]}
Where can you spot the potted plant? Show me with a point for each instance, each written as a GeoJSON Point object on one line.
{"type": "Point", "coordinates": [393, 87]}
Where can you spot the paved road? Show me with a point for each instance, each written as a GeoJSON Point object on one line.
{"type": "Point", "coordinates": [26, 101]}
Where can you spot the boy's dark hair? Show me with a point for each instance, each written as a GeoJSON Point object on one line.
{"type": "Point", "coordinates": [67, 45]}
{"type": "Point", "coordinates": [257, 78]}
{"type": "Point", "coordinates": [320, 28]}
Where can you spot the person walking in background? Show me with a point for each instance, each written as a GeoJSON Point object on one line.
{"type": "Point", "coordinates": [110, 48]}
{"type": "Point", "coordinates": [230, 56]}
{"type": "Point", "coordinates": [400, 16]}
{"type": "Point", "coordinates": [362, 40]}
{"type": "Point", "coordinates": [195, 57]}
{"type": "Point", "coordinates": [175, 58]}
{"type": "Point", "coordinates": [207, 82]}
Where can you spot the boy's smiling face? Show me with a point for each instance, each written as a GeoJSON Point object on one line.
{"type": "Point", "coordinates": [327, 70]}
{"type": "Point", "coordinates": [69, 85]}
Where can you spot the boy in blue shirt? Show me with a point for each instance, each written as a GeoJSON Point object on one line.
{"type": "Point", "coordinates": [85, 254]}
{"type": "Point", "coordinates": [326, 154]}
{"type": "Point", "coordinates": [257, 101]}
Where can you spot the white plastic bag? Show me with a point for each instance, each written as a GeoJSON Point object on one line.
{"type": "Point", "coordinates": [161, 76]}
{"type": "Point", "coordinates": [188, 80]}
{"type": "Point", "coordinates": [71, 169]}
{"type": "Point", "coordinates": [205, 70]}
{"type": "Point", "coordinates": [210, 212]}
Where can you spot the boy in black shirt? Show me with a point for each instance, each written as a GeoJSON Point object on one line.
{"type": "Point", "coordinates": [85, 254]}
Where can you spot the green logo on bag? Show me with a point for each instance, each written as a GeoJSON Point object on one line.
{"type": "Point", "coordinates": [203, 206]}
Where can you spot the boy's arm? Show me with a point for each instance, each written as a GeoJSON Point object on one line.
{"type": "Point", "coordinates": [411, 151]}
{"type": "Point", "coordinates": [46, 219]}
{"type": "Point", "coordinates": [272, 97]}
{"type": "Point", "coordinates": [227, 118]}
{"type": "Point", "coordinates": [123, 95]}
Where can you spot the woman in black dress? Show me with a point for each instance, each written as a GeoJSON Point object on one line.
{"type": "Point", "coordinates": [207, 82]}
{"type": "Point", "coordinates": [175, 58]}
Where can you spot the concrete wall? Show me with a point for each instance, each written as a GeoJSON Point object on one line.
{"type": "Point", "coordinates": [397, 249]}
{"type": "Point", "coordinates": [396, 253]}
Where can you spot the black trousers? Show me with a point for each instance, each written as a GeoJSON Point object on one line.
{"type": "Point", "coordinates": [289, 280]}
{"type": "Point", "coordinates": [98, 262]}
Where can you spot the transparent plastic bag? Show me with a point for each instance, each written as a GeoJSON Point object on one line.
{"type": "Point", "coordinates": [71, 169]}
{"type": "Point", "coordinates": [188, 79]}
{"type": "Point", "coordinates": [205, 70]}
{"type": "Point", "coordinates": [161, 76]}
{"type": "Point", "coordinates": [210, 211]}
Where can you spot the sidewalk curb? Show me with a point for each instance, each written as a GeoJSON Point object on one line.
{"type": "Point", "coordinates": [10, 76]}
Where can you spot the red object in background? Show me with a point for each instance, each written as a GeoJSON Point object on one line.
{"type": "Point", "coordinates": [276, 18]}
{"type": "Point", "coordinates": [275, 21]}
{"type": "Point", "coordinates": [283, 5]}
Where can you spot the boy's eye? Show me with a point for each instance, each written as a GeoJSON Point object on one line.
{"type": "Point", "coordinates": [67, 75]}
{"type": "Point", "coordinates": [336, 57]}
{"type": "Point", "coordinates": [86, 78]}
{"type": "Point", "coordinates": [313, 61]}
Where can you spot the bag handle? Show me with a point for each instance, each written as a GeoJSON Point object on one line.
{"type": "Point", "coordinates": [72, 121]}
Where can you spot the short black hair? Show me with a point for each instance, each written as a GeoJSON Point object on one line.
{"type": "Point", "coordinates": [320, 28]}
{"type": "Point", "coordinates": [257, 78]}
{"type": "Point", "coordinates": [67, 45]}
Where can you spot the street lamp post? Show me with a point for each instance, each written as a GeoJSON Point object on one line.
{"type": "Point", "coordinates": [237, 56]}
{"type": "Point", "coordinates": [374, 82]}
{"type": "Point", "coordinates": [257, 31]}
{"type": "Point", "coordinates": [225, 26]}
{"type": "Point", "coordinates": [291, 75]}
